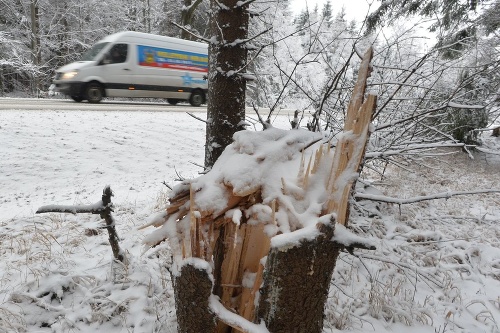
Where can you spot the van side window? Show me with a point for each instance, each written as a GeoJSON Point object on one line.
{"type": "Point", "coordinates": [118, 53]}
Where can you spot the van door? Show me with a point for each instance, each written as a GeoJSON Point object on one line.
{"type": "Point", "coordinates": [117, 71]}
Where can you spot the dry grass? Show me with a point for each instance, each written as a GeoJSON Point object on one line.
{"type": "Point", "coordinates": [432, 257]}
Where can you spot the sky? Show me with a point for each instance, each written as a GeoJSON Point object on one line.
{"type": "Point", "coordinates": [355, 9]}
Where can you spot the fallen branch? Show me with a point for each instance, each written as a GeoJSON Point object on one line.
{"type": "Point", "coordinates": [399, 201]}
{"type": "Point", "coordinates": [96, 208]}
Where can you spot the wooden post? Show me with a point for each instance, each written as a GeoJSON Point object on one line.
{"type": "Point", "coordinates": [104, 210]}
{"type": "Point", "coordinates": [110, 224]}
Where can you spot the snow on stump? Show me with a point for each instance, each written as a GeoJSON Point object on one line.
{"type": "Point", "coordinates": [260, 233]}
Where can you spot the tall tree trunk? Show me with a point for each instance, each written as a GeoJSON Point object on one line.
{"type": "Point", "coordinates": [226, 84]}
{"type": "Point", "coordinates": [226, 111]}
{"type": "Point", "coordinates": [226, 94]}
{"type": "Point", "coordinates": [35, 44]}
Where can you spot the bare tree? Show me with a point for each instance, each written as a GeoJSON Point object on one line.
{"type": "Point", "coordinates": [187, 16]}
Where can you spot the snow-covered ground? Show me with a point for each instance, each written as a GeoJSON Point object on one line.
{"type": "Point", "coordinates": [436, 267]}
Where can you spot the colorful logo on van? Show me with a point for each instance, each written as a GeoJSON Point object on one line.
{"type": "Point", "coordinates": [188, 80]}
{"type": "Point", "coordinates": [173, 59]}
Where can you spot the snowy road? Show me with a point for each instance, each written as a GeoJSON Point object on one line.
{"type": "Point", "coordinates": [57, 104]}
{"type": "Point", "coordinates": [106, 105]}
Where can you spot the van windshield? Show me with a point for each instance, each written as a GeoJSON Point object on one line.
{"type": "Point", "coordinates": [93, 52]}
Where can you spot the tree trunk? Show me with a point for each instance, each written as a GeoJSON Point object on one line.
{"type": "Point", "coordinates": [192, 289]}
{"type": "Point", "coordinates": [226, 85]}
{"type": "Point", "coordinates": [296, 284]}
{"type": "Point", "coordinates": [226, 95]}
{"type": "Point", "coordinates": [35, 44]}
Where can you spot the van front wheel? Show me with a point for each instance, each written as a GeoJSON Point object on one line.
{"type": "Point", "coordinates": [94, 92]}
{"type": "Point", "coordinates": [197, 98]}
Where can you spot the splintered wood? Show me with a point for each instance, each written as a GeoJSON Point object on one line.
{"type": "Point", "coordinates": [351, 147]}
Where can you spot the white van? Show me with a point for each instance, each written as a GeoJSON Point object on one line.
{"type": "Point", "coordinates": [135, 64]}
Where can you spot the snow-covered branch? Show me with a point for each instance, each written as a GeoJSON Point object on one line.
{"type": "Point", "coordinates": [463, 106]}
{"type": "Point", "coordinates": [234, 320]}
{"type": "Point", "coordinates": [97, 208]}
{"type": "Point", "coordinates": [443, 195]}
{"type": "Point", "coordinates": [409, 148]}
{"type": "Point", "coordinates": [191, 33]}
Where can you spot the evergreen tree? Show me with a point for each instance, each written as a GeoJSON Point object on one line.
{"type": "Point", "coordinates": [327, 13]}
{"type": "Point", "coordinates": [456, 21]}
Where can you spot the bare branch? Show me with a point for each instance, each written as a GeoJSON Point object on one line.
{"type": "Point", "coordinates": [191, 33]}
{"type": "Point", "coordinates": [196, 117]}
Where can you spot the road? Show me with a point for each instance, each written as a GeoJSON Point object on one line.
{"type": "Point", "coordinates": [106, 105]}
{"type": "Point", "coordinates": [59, 104]}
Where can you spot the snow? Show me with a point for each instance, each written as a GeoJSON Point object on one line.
{"type": "Point", "coordinates": [233, 319]}
{"type": "Point", "coordinates": [436, 267]}
{"type": "Point", "coordinates": [293, 239]}
{"type": "Point", "coordinates": [464, 106]}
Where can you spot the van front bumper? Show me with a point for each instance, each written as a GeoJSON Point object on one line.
{"type": "Point", "coordinates": [69, 88]}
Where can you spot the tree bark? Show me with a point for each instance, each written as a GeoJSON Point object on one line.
{"type": "Point", "coordinates": [296, 284]}
{"type": "Point", "coordinates": [226, 85]}
{"type": "Point", "coordinates": [110, 225]}
{"type": "Point", "coordinates": [35, 44]}
{"type": "Point", "coordinates": [192, 289]}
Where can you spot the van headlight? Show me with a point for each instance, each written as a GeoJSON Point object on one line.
{"type": "Point", "coordinates": [69, 75]}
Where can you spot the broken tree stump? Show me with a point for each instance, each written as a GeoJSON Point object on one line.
{"type": "Point", "coordinates": [293, 294]}
{"type": "Point", "coordinates": [251, 205]}
{"type": "Point", "coordinates": [192, 290]}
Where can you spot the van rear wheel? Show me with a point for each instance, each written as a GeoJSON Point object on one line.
{"type": "Point", "coordinates": [172, 101]}
{"type": "Point", "coordinates": [94, 92]}
{"type": "Point", "coordinates": [197, 98]}
{"type": "Point", "coordinates": [77, 98]}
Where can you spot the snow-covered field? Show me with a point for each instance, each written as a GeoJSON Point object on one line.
{"type": "Point", "coordinates": [436, 267]}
